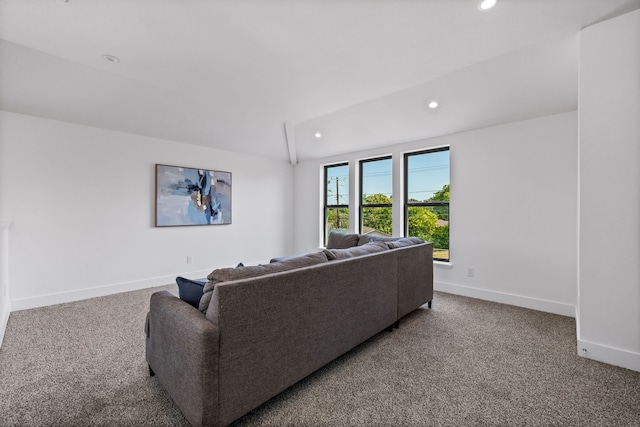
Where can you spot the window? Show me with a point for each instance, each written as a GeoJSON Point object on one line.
{"type": "Point", "coordinates": [336, 199]}
{"type": "Point", "coordinates": [375, 196]}
{"type": "Point", "coordinates": [427, 198]}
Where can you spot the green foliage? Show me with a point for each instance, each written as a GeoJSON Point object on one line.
{"type": "Point", "coordinates": [422, 223]}
{"type": "Point", "coordinates": [441, 195]}
{"type": "Point", "coordinates": [379, 218]}
{"type": "Point", "coordinates": [376, 199]}
{"type": "Point", "coordinates": [441, 237]}
{"type": "Point", "coordinates": [337, 218]}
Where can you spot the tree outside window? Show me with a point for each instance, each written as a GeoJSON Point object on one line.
{"type": "Point", "coordinates": [376, 202]}
{"type": "Point", "coordinates": [427, 198]}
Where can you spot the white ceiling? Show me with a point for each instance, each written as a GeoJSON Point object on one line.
{"type": "Point", "coordinates": [230, 73]}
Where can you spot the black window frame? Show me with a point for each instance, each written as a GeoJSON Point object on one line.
{"type": "Point", "coordinates": [408, 204]}
{"type": "Point", "coordinates": [361, 205]}
{"type": "Point", "coordinates": [326, 205]}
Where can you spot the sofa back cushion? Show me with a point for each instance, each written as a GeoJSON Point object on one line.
{"type": "Point", "coordinates": [239, 273]}
{"type": "Point", "coordinates": [277, 329]}
{"type": "Point", "coordinates": [342, 240]}
{"type": "Point", "coordinates": [369, 248]}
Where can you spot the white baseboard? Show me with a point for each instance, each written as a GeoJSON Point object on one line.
{"type": "Point", "coordinates": [5, 310]}
{"type": "Point", "coordinates": [610, 355]}
{"type": "Point", "coordinates": [511, 299]}
{"type": "Point", "coordinates": [80, 294]}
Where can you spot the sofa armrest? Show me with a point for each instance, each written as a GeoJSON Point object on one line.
{"type": "Point", "coordinates": [182, 350]}
{"type": "Point", "coordinates": [415, 277]}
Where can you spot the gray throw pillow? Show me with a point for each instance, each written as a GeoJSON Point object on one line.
{"type": "Point", "coordinates": [342, 240]}
{"type": "Point", "coordinates": [415, 240]}
{"type": "Point", "coordinates": [401, 243]}
{"type": "Point", "coordinates": [367, 238]}
{"type": "Point", "coordinates": [205, 300]}
{"type": "Point", "coordinates": [369, 248]}
{"type": "Point", "coordinates": [283, 258]}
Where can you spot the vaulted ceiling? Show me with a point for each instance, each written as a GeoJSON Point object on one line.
{"type": "Point", "coordinates": [230, 73]}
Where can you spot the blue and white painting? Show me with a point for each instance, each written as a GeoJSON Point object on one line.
{"type": "Point", "coordinates": [186, 196]}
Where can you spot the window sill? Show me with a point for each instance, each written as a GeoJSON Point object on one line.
{"type": "Point", "coordinates": [443, 264]}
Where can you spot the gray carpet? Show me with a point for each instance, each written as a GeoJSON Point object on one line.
{"type": "Point", "coordinates": [465, 362]}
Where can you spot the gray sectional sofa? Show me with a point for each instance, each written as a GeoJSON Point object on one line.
{"type": "Point", "coordinates": [266, 328]}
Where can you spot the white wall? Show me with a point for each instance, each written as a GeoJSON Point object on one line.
{"type": "Point", "coordinates": [513, 211]}
{"type": "Point", "coordinates": [608, 317]}
{"type": "Point", "coordinates": [82, 204]}
{"type": "Point", "coordinates": [5, 304]}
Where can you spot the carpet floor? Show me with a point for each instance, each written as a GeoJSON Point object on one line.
{"type": "Point", "coordinates": [465, 362]}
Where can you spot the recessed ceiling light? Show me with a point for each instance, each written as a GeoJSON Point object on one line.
{"type": "Point", "coordinates": [487, 4]}
{"type": "Point", "coordinates": [433, 104]}
{"type": "Point", "coordinates": [317, 135]}
{"type": "Point", "coordinates": [111, 58]}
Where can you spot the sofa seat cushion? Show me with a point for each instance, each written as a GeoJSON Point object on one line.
{"type": "Point", "coordinates": [342, 240]}
{"type": "Point", "coordinates": [239, 273]}
{"type": "Point", "coordinates": [369, 248]}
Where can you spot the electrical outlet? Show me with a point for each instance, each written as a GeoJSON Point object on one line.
{"type": "Point", "coordinates": [471, 271]}
{"type": "Point", "coordinates": [189, 259]}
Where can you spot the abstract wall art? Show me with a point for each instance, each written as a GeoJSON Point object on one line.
{"type": "Point", "coordinates": [187, 196]}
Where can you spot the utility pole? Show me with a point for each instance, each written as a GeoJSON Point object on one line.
{"type": "Point", "coordinates": [337, 203]}
{"type": "Point", "coordinates": [337, 179]}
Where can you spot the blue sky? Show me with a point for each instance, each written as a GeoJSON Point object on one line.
{"type": "Point", "coordinates": [377, 178]}
{"type": "Point", "coordinates": [428, 173]}
{"type": "Point", "coordinates": [340, 173]}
